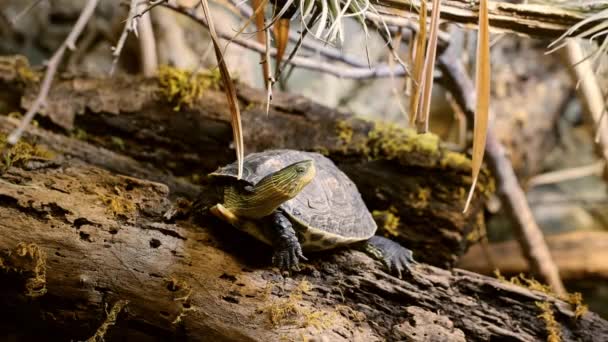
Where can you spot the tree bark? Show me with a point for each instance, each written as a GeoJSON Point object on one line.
{"type": "Point", "coordinates": [78, 240]}
{"type": "Point", "coordinates": [88, 252]}
{"type": "Point", "coordinates": [417, 187]}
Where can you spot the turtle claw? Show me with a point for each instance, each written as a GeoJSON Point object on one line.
{"type": "Point", "coordinates": [287, 258]}
{"type": "Point", "coordinates": [395, 257]}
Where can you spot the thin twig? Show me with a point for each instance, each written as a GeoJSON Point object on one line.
{"type": "Point", "coordinates": [378, 71]}
{"type": "Point", "coordinates": [130, 26]}
{"type": "Point", "coordinates": [310, 44]}
{"type": "Point", "coordinates": [147, 45]}
{"type": "Point", "coordinates": [269, 79]}
{"type": "Point", "coordinates": [530, 237]}
{"type": "Point", "coordinates": [51, 69]}
{"type": "Point", "coordinates": [567, 174]}
{"type": "Point", "coordinates": [26, 10]}
{"type": "Point", "coordinates": [589, 92]}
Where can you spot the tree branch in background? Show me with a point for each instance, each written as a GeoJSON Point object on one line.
{"type": "Point", "coordinates": [547, 21]}
{"type": "Point", "coordinates": [130, 26]}
{"type": "Point", "coordinates": [531, 238]}
{"type": "Point", "coordinates": [567, 174]}
{"type": "Point", "coordinates": [51, 69]}
{"type": "Point", "coordinates": [27, 8]}
{"type": "Point", "coordinates": [378, 71]}
{"type": "Point", "coordinates": [589, 91]}
{"type": "Point", "coordinates": [147, 45]}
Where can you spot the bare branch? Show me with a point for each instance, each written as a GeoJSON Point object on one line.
{"type": "Point", "coordinates": [25, 11]}
{"type": "Point", "coordinates": [313, 45]}
{"type": "Point", "coordinates": [567, 174]}
{"type": "Point", "coordinates": [378, 71]}
{"type": "Point", "coordinates": [589, 92]}
{"type": "Point", "coordinates": [147, 45]}
{"type": "Point", "coordinates": [529, 19]}
{"type": "Point", "coordinates": [52, 65]}
{"type": "Point", "coordinates": [531, 239]}
{"type": "Point", "coordinates": [130, 25]}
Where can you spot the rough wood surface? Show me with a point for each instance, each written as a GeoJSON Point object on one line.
{"type": "Point", "coordinates": [414, 184]}
{"type": "Point", "coordinates": [86, 248]}
{"type": "Point", "coordinates": [178, 280]}
{"type": "Point", "coordinates": [536, 20]}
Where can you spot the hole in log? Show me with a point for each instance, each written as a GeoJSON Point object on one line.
{"type": "Point", "coordinates": [85, 236]}
{"type": "Point", "coordinates": [228, 277]}
{"type": "Point", "coordinates": [81, 221]}
{"type": "Point", "coordinates": [155, 243]}
{"type": "Point", "coordinates": [230, 299]}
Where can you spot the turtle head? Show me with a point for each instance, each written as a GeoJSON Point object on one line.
{"type": "Point", "coordinates": [293, 178]}
{"type": "Point", "coordinates": [269, 193]}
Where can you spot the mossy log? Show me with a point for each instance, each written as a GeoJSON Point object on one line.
{"type": "Point", "coordinates": [415, 187]}
{"type": "Point", "coordinates": [87, 250]}
{"type": "Point", "coordinates": [88, 253]}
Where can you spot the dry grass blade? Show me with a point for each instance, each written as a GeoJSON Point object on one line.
{"type": "Point", "coordinates": [237, 129]}
{"type": "Point", "coordinates": [258, 13]}
{"type": "Point", "coordinates": [281, 33]}
{"type": "Point", "coordinates": [260, 22]}
{"type": "Point", "coordinates": [268, 77]}
{"type": "Point", "coordinates": [429, 66]}
{"type": "Point", "coordinates": [418, 62]}
{"type": "Point", "coordinates": [482, 107]}
{"type": "Point", "coordinates": [391, 63]}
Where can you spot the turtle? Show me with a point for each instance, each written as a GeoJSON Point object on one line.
{"type": "Point", "coordinates": [298, 201]}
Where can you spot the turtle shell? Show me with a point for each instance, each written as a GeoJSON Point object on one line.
{"type": "Point", "coordinates": [329, 211]}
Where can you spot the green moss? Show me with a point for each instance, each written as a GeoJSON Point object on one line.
{"type": "Point", "coordinates": [344, 131]}
{"type": "Point", "coordinates": [393, 142]}
{"type": "Point", "coordinates": [455, 160]}
{"type": "Point", "coordinates": [21, 152]}
{"type": "Point", "coordinates": [551, 325]}
{"type": "Point", "coordinates": [116, 203]}
{"type": "Point", "coordinates": [322, 150]}
{"type": "Point", "coordinates": [27, 260]}
{"type": "Point", "coordinates": [79, 134]}
{"type": "Point", "coordinates": [118, 143]}
{"type": "Point", "coordinates": [27, 75]}
{"type": "Point", "coordinates": [182, 87]}
{"type": "Point", "coordinates": [100, 334]}
{"type": "Point", "coordinates": [289, 311]}
{"type": "Point", "coordinates": [575, 299]}
{"type": "Point", "coordinates": [388, 220]}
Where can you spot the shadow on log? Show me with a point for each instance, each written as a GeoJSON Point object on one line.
{"type": "Point", "coordinates": [87, 251]}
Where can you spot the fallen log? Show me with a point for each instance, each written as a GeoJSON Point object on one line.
{"type": "Point", "coordinates": [87, 250]}
{"type": "Point", "coordinates": [415, 187]}
{"type": "Point", "coordinates": [86, 253]}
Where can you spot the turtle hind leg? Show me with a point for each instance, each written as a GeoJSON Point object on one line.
{"type": "Point", "coordinates": [394, 256]}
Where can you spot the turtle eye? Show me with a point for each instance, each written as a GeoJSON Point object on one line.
{"type": "Point", "coordinates": [300, 169]}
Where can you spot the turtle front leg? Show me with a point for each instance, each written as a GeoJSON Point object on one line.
{"type": "Point", "coordinates": [394, 256]}
{"type": "Point", "coordinates": [287, 248]}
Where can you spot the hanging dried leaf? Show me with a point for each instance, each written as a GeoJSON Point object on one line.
{"type": "Point", "coordinates": [482, 107]}
{"type": "Point", "coordinates": [429, 66]}
{"type": "Point", "coordinates": [418, 62]}
{"type": "Point", "coordinates": [260, 23]}
{"type": "Point", "coordinates": [235, 118]}
{"type": "Point", "coordinates": [281, 34]}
